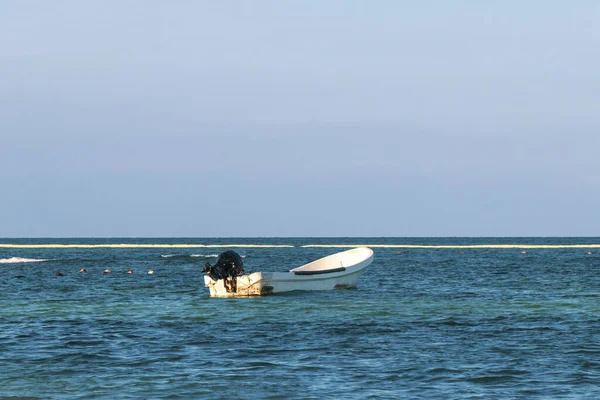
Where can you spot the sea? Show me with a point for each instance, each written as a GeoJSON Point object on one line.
{"type": "Point", "coordinates": [452, 318]}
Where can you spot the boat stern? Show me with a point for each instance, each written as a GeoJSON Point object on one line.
{"type": "Point", "coordinates": [240, 286]}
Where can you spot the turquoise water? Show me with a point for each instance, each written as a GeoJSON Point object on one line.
{"type": "Point", "coordinates": [426, 323]}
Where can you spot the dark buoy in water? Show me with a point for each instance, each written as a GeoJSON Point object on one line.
{"type": "Point", "coordinates": [20, 276]}
{"type": "Point", "coordinates": [59, 274]}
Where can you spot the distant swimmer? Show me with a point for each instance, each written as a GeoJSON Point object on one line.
{"type": "Point", "coordinates": [59, 274]}
{"type": "Point", "coordinates": [399, 252]}
{"type": "Point", "coordinates": [150, 272]}
{"type": "Point", "coordinates": [129, 271]}
{"type": "Point", "coordinates": [462, 252]}
{"type": "Point", "coordinates": [523, 252]}
{"type": "Point", "coordinates": [83, 270]}
{"type": "Point", "coordinates": [106, 271]}
{"type": "Point", "coordinates": [589, 252]}
{"type": "Point", "coordinates": [20, 276]}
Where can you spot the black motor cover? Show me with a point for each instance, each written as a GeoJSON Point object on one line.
{"type": "Point", "coordinates": [228, 264]}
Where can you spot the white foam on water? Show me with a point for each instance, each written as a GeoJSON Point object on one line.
{"type": "Point", "coordinates": [137, 245]}
{"type": "Point", "coordinates": [467, 246]}
{"type": "Point", "coordinates": [266, 246]}
{"type": "Point", "coordinates": [14, 260]}
{"type": "Point", "coordinates": [190, 255]}
{"type": "Point", "coordinates": [193, 255]}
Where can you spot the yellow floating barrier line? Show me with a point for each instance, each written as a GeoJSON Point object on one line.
{"type": "Point", "coordinates": [450, 246]}
{"type": "Point", "coordinates": [134, 245]}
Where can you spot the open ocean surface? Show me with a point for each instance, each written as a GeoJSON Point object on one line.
{"type": "Point", "coordinates": [428, 323]}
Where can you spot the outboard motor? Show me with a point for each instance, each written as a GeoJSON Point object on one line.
{"type": "Point", "coordinates": [229, 264]}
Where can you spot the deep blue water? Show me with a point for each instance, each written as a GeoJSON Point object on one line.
{"type": "Point", "coordinates": [426, 323]}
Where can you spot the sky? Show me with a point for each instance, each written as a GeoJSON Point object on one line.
{"type": "Point", "coordinates": [279, 118]}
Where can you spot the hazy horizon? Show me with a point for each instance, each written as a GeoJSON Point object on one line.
{"type": "Point", "coordinates": [300, 237]}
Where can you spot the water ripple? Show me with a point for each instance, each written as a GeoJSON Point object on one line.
{"type": "Point", "coordinates": [428, 323]}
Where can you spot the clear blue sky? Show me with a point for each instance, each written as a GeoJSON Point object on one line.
{"type": "Point", "coordinates": [299, 118]}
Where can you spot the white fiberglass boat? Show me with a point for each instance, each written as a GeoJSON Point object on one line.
{"type": "Point", "coordinates": [337, 271]}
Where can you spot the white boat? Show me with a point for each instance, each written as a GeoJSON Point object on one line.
{"type": "Point", "coordinates": [337, 271]}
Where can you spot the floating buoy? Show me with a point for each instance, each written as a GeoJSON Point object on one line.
{"type": "Point", "coordinates": [150, 272]}
{"type": "Point", "coordinates": [106, 271]}
{"type": "Point", "coordinates": [83, 270]}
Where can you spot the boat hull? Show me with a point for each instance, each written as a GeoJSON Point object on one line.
{"type": "Point", "coordinates": [268, 283]}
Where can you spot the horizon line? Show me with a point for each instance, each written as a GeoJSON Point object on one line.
{"type": "Point", "coordinates": [344, 246]}
{"type": "Point", "coordinates": [288, 237]}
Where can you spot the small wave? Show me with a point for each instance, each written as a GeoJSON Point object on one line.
{"type": "Point", "coordinates": [14, 260]}
{"type": "Point", "coordinates": [192, 255]}
{"type": "Point", "coordinates": [209, 255]}
{"type": "Point", "coordinates": [189, 255]}
{"type": "Point", "coordinates": [453, 246]}
{"type": "Point", "coordinates": [142, 246]}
